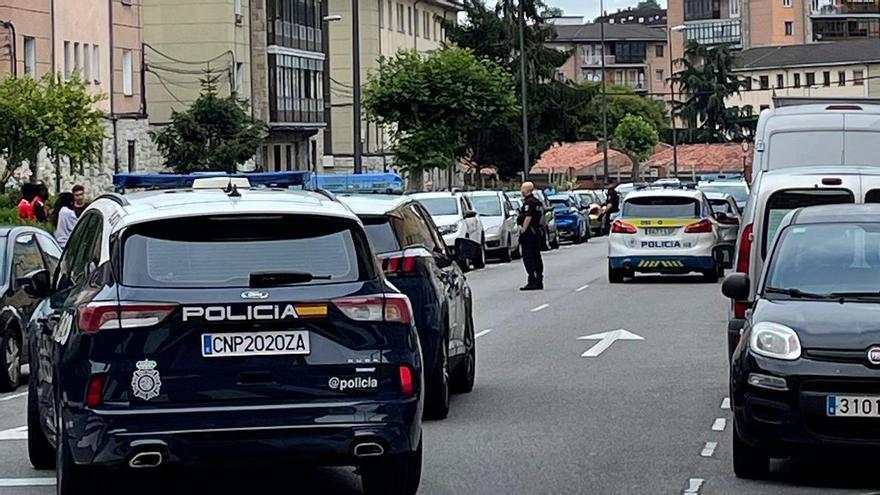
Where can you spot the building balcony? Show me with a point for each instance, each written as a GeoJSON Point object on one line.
{"type": "Point", "coordinates": [846, 28]}
{"type": "Point", "coordinates": [829, 9]}
{"type": "Point", "coordinates": [296, 113]}
{"type": "Point", "coordinates": [595, 61]}
{"type": "Point", "coordinates": [720, 32]}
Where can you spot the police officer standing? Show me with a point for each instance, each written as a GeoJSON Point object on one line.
{"type": "Point", "coordinates": [532, 237]}
{"type": "Point", "coordinates": [612, 206]}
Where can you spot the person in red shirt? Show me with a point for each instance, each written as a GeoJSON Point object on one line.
{"type": "Point", "coordinates": [41, 198]}
{"type": "Point", "coordinates": [26, 205]}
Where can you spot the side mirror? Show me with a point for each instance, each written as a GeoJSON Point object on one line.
{"type": "Point", "coordinates": [36, 284]}
{"type": "Point", "coordinates": [443, 259]}
{"type": "Point", "coordinates": [470, 214]}
{"type": "Point", "coordinates": [720, 216]}
{"type": "Point", "coordinates": [736, 286]}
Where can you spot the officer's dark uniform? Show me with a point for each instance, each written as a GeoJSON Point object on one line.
{"type": "Point", "coordinates": [531, 240]}
{"type": "Point", "coordinates": [614, 206]}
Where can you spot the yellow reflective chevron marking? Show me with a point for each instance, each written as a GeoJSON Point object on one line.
{"type": "Point", "coordinates": [660, 264]}
{"type": "Point", "coordinates": [659, 222]}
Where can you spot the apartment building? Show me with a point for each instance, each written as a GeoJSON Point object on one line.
{"type": "Point", "coordinates": [25, 37]}
{"type": "Point", "coordinates": [836, 20]}
{"type": "Point", "coordinates": [385, 26]}
{"type": "Point", "coordinates": [646, 16]}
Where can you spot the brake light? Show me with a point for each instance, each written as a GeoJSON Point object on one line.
{"type": "Point", "coordinates": [406, 381]}
{"type": "Point", "coordinates": [95, 392]}
{"type": "Point", "coordinates": [743, 259]}
{"type": "Point", "coordinates": [729, 221]}
{"type": "Point", "coordinates": [388, 307]}
{"type": "Point", "coordinates": [110, 315]}
{"type": "Point", "coordinates": [400, 264]}
{"type": "Point", "coordinates": [704, 226]}
{"type": "Point", "coordinates": [619, 227]}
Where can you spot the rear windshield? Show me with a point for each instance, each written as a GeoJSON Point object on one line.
{"type": "Point", "coordinates": [587, 198]}
{"type": "Point", "coordinates": [661, 207]}
{"type": "Point", "coordinates": [223, 251]}
{"type": "Point", "coordinates": [558, 203]}
{"type": "Point", "coordinates": [489, 206]}
{"type": "Point", "coordinates": [740, 193]}
{"type": "Point", "coordinates": [381, 234]}
{"type": "Point", "coordinates": [440, 206]}
{"type": "Point", "coordinates": [720, 205]}
{"type": "Point", "coordinates": [782, 202]}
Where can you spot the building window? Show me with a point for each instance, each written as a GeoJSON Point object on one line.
{"type": "Point", "coordinates": [295, 89]}
{"type": "Point", "coordinates": [87, 64]}
{"type": "Point", "coordinates": [390, 16]}
{"type": "Point", "coordinates": [858, 78]}
{"type": "Point", "coordinates": [780, 81]}
{"type": "Point", "coordinates": [127, 74]}
{"type": "Point", "coordinates": [239, 78]}
{"type": "Point", "coordinates": [658, 75]}
{"type": "Point", "coordinates": [277, 157]}
{"type": "Point", "coordinates": [826, 78]}
{"type": "Point", "coordinates": [734, 8]}
{"type": "Point", "coordinates": [764, 107]}
{"type": "Point", "coordinates": [96, 64]}
{"type": "Point", "coordinates": [747, 82]}
{"type": "Point", "coordinates": [789, 28]}
{"type": "Point", "coordinates": [77, 57]}
{"type": "Point", "coordinates": [811, 79]}
{"type": "Point", "coordinates": [436, 29]}
{"type": "Point", "coordinates": [426, 25]}
{"type": "Point", "coordinates": [658, 50]}
{"type": "Point", "coordinates": [289, 158]}
{"type": "Point", "coordinates": [786, 3]}
{"type": "Point", "coordinates": [416, 21]}
{"type": "Point", "coordinates": [409, 13]}
{"type": "Point", "coordinates": [67, 58]}
{"type": "Point", "coordinates": [381, 14]}
{"type": "Point", "coordinates": [30, 56]}
{"type": "Point", "coordinates": [401, 21]}
{"type": "Point", "coordinates": [797, 80]}
{"type": "Point", "coordinates": [765, 82]}
{"type": "Point", "coordinates": [132, 156]}
{"type": "Point", "coordinates": [841, 78]}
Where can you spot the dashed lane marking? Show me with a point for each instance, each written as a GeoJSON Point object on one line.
{"type": "Point", "coordinates": [484, 332]}
{"type": "Point", "coordinates": [719, 424]}
{"type": "Point", "coordinates": [725, 403]}
{"type": "Point", "coordinates": [582, 288]}
{"type": "Point", "coordinates": [14, 482]}
{"type": "Point", "coordinates": [694, 486]}
{"type": "Point", "coordinates": [709, 449]}
{"type": "Point", "coordinates": [13, 396]}
{"type": "Point", "coordinates": [19, 433]}
{"type": "Point", "coordinates": [539, 308]}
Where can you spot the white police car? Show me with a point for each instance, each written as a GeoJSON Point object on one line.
{"type": "Point", "coordinates": [665, 231]}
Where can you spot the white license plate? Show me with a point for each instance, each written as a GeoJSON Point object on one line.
{"type": "Point", "coordinates": [853, 406]}
{"type": "Point", "coordinates": [660, 231]}
{"type": "Point", "coordinates": [288, 342]}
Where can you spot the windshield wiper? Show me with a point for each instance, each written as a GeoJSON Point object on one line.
{"type": "Point", "coordinates": [272, 279]}
{"type": "Point", "coordinates": [797, 293]}
{"type": "Point", "coordinates": [856, 294]}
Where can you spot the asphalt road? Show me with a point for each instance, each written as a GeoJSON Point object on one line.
{"type": "Point", "coordinates": [643, 417]}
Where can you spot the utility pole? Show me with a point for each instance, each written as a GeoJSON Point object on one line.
{"type": "Point", "coordinates": [604, 93]}
{"type": "Point", "coordinates": [524, 88]}
{"type": "Point", "coordinates": [356, 82]}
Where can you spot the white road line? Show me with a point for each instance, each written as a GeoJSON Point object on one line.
{"type": "Point", "coordinates": [10, 482]}
{"type": "Point", "coordinates": [582, 288]}
{"type": "Point", "coordinates": [484, 332]}
{"type": "Point", "coordinates": [539, 308]}
{"type": "Point", "coordinates": [709, 449]}
{"type": "Point", "coordinates": [725, 403]}
{"type": "Point", "coordinates": [13, 396]}
{"type": "Point", "coordinates": [19, 433]}
{"type": "Point", "coordinates": [719, 424]}
{"type": "Point", "coordinates": [694, 485]}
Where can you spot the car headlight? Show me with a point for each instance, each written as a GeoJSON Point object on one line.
{"type": "Point", "coordinates": [775, 341]}
{"type": "Point", "coordinates": [448, 229]}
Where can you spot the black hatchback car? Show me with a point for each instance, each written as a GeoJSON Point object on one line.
{"type": "Point", "coordinates": [28, 255]}
{"type": "Point", "coordinates": [198, 328]}
{"type": "Point", "coordinates": [806, 372]}
{"type": "Point", "coordinates": [414, 258]}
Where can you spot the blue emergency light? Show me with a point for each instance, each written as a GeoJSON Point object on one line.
{"type": "Point", "coordinates": [372, 183]}
{"type": "Point", "coordinates": [295, 179]}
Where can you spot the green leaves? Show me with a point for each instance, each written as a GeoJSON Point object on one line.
{"type": "Point", "coordinates": [635, 136]}
{"type": "Point", "coordinates": [215, 133]}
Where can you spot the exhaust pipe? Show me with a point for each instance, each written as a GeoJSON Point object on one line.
{"type": "Point", "coordinates": [368, 449]}
{"type": "Point", "coordinates": [146, 460]}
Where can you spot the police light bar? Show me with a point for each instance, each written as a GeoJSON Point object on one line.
{"type": "Point", "coordinates": [201, 180]}
{"type": "Point", "coordinates": [372, 183]}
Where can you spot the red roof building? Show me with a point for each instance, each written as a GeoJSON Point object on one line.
{"type": "Point", "coordinates": [696, 159]}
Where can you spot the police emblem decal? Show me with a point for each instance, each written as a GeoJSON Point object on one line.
{"type": "Point", "coordinates": [146, 382]}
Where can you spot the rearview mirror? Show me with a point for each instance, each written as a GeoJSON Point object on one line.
{"type": "Point", "coordinates": [736, 286]}
{"type": "Point", "coordinates": [36, 284]}
{"type": "Point", "coordinates": [470, 214]}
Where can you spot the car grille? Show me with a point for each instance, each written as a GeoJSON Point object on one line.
{"type": "Point", "coordinates": [837, 356]}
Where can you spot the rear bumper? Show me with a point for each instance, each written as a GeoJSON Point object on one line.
{"type": "Point", "coordinates": [662, 264]}
{"type": "Point", "coordinates": [325, 434]}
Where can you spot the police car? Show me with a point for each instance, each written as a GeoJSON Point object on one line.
{"type": "Point", "coordinates": [665, 231]}
{"type": "Point", "coordinates": [208, 327]}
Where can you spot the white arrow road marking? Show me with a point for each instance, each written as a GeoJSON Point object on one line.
{"type": "Point", "coordinates": [709, 449]}
{"type": "Point", "coordinates": [19, 433]}
{"type": "Point", "coordinates": [725, 403]}
{"type": "Point", "coordinates": [539, 308]}
{"type": "Point", "coordinates": [719, 424]}
{"type": "Point", "coordinates": [694, 485]}
{"type": "Point", "coordinates": [484, 332]}
{"type": "Point", "coordinates": [11, 482]}
{"type": "Point", "coordinates": [582, 288]}
{"type": "Point", "coordinates": [606, 339]}
{"type": "Point", "coordinates": [13, 396]}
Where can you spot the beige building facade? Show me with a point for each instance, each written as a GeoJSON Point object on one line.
{"type": "Point", "coordinates": [29, 51]}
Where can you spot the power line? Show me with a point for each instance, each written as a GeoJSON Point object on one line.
{"type": "Point", "coordinates": [167, 89]}
{"type": "Point", "coordinates": [190, 62]}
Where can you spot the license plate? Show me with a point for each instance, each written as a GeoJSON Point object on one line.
{"type": "Point", "coordinates": [660, 231]}
{"type": "Point", "coordinates": [853, 406]}
{"type": "Point", "coordinates": [288, 342]}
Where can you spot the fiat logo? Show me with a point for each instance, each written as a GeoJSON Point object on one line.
{"type": "Point", "coordinates": [258, 294]}
{"type": "Point", "coordinates": [874, 355]}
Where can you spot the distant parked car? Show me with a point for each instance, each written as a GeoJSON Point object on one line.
{"type": "Point", "coordinates": [459, 224]}
{"type": "Point", "coordinates": [570, 219]}
{"type": "Point", "coordinates": [593, 208]}
{"type": "Point", "coordinates": [499, 223]}
{"type": "Point", "coordinates": [728, 225]}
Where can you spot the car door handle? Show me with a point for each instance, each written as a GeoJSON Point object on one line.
{"type": "Point", "coordinates": [44, 323]}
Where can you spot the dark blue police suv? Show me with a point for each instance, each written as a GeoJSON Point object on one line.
{"type": "Point", "coordinates": [199, 327]}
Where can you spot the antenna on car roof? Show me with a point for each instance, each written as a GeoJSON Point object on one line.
{"type": "Point", "coordinates": [228, 189]}
{"type": "Point", "coordinates": [233, 193]}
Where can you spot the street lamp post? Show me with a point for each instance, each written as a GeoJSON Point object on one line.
{"type": "Point", "coordinates": [524, 88]}
{"type": "Point", "coordinates": [676, 29]}
{"type": "Point", "coordinates": [604, 92]}
{"type": "Point", "coordinates": [356, 83]}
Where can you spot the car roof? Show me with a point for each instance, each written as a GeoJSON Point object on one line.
{"type": "Point", "coordinates": [177, 203]}
{"type": "Point", "coordinates": [437, 194]}
{"type": "Point", "coordinates": [6, 230]}
{"type": "Point", "coordinates": [838, 213]}
{"type": "Point", "coordinates": [678, 193]}
{"type": "Point", "coordinates": [484, 193]}
{"type": "Point", "coordinates": [717, 195]}
{"type": "Point", "coordinates": [723, 183]}
{"type": "Point", "coordinates": [374, 204]}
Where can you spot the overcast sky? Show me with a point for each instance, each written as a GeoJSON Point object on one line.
{"type": "Point", "coordinates": [590, 8]}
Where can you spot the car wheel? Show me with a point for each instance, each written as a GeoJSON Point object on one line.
{"type": "Point", "coordinates": [711, 275]}
{"type": "Point", "coordinates": [10, 360]}
{"type": "Point", "coordinates": [466, 373]}
{"type": "Point", "coordinates": [506, 254]}
{"type": "Point", "coordinates": [480, 260]}
{"type": "Point", "coordinates": [615, 275]}
{"type": "Point", "coordinates": [40, 451]}
{"type": "Point", "coordinates": [554, 244]}
{"type": "Point", "coordinates": [749, 462]}
{"type": "Point", "coordinates": [70, 479]}
{"type": "Point", "coordinates": [398, 474]}
{"type": "Point", "coordinates": [437, 393]}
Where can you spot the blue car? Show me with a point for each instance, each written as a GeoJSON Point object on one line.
{"type": "Point", "coordinates": [571, 220]}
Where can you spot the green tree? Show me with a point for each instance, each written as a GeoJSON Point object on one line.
{"type": "Point", "coordinates": [622, 101]}
{"type": "Point", "coordinates": [433, 102]}
{"type": "Point", "coordinates": [635, 137]}
{"type": "Point", "coordinates": [648, 4]}
{"type": "Point", "coordinates": [214, 133]}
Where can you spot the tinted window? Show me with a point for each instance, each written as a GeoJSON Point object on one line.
{"type": "Point", "coordinates": [380, 234]}
{"type": "Point", "coordinates": [51, 250]}
{"type": "Point", "coordinates": [437, 240]}
{"type": "Point", "coordinates": [411, 229]}
{"type": "Point", "coordinates": [440, 206]}
{"type": "Point", "coordinates": [661, 207]}
{"type": "Point", "coordinates": [873, 196]}
{"type": "Point", "coordinates": [83, 250]}
{"type": "Point", "coordinates": [782, 202]}
{"type": "Point", "coordinates": [720, 205]}
{"type": "Point", "coordinates": [587, 198]}
{"type": "Point", "coordinates": [26, 256]}
{"type": "Point", "coordinates": [488, 206]}
{"type": "Point", "coordinates": [222, 251]}
{"type": "Point", "coordinates": [739, 192]}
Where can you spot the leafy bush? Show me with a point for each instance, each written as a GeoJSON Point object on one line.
{"type": "Point", "coordinates": [9, 216]}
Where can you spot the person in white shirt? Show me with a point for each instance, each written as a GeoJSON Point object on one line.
{"type": "Point", "coordinates": [64, 218]}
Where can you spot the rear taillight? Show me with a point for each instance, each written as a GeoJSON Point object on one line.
{"type": "Point", "coordinates": [390, 307]}
{"type": "Point", "coordinates": [95, 392]}
{"type": "Point", "coordinates": [400, 264]}
{"type": "Point", "coordinates": [619, 227]}
{"type": "Point", "coordinates": [743, 259]}
{"type": "Point", "coordinates": [729, 221]}
{"type": "Point", "coordinates": [110, 315]}
{"type": "Point", "coordinates": [406, 381]}
{"type": "Point", "coordinates": [702, 227]}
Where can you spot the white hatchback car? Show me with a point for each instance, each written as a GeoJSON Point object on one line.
{"type": "Point", "coordinates": [459, 224]}
{"type": "Point", "coordinates": [499, 223]}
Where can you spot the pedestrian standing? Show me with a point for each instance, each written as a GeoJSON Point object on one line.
{"type": "Point", "coordinates": [612, 206]}
{"type": "Point", "coordinates": [79, 199]}
{"type": "Point", "coordinates": [532, 237]}
{"type": "Point", "coordinates": [64, 218]}
{"type": "Point", "coordinates": [25, 205]}
{"type": "Point", "coordinates": [40, 202]}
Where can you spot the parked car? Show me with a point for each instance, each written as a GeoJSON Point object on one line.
{"type": "Point", "coordinates": [570, 219]}
{"type": "Point", "coordinates": [729, 224]}
{"type": "Point", "coordinates": [594, 208]}
{"type": "Point", "coordinates": [499, 223]}
{"type": "Point", "coordinates": [29, 257]}
{"type": "Point", "coordinates": [735, 187]}
{"type": "Point", "coordinates": [414, 259]}
{"type": "Point", "coordinates": [460, 225]}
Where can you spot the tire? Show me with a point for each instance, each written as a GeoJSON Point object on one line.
{"type": "Point", "coordinates": [40, 451]}
{"type": "Point", "coordinates": [615, 275]}
{"type": "Point", "coordinates": [393, 474]}
{"type": "Point", "coordinates": [480, 260]}
{"type": "Point", "coordinates": [749, 462]}
{"type": "Point", "coordinates": [465, 375]}
{"type": "Point", "coordinates": [70, 479]}
{"type": "Point", "coordinates": [10, 359]}
{"type": "Point", "coordinates": [554, 244]}
{"type": "Point", "coordinates": [711, 275]}
{"type": "Point", "coordinates": [437, 386]}
{"type": "Point", "coordinates": [506, 255]}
